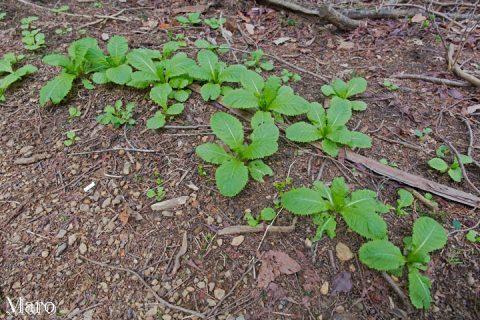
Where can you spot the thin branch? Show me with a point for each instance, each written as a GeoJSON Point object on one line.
{"type": "Point", "coordinates": [447, 82]}
{"type": "Point", "coordinates": [457, 70]}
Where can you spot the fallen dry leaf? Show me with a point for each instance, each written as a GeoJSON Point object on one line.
{"type": "Point", "coordinates": [342, 283]}
{"type": "Point", "coordinates": [473, 109]}
{"type": "Point", "coordinates": [123, 217]}
{"type": "Point", "coordinates": [250, 28]}
{"type": "Point", "coordinates": [281, 40]}
{"type": "Point", "coordinates": [418, 18]}
{"type": "Point", "coordinates": [274, 264]}
{"type": "Point", "coordinates": [345, 45]}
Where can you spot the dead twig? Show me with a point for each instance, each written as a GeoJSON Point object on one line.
{"type": "Point", "coordinates": [114, 149]}
{"type": "Point", "coordinates": [397, 290]}
{"type": "Point", "coordinates": [429, 204]}
{"type": "Point", "coordinates": [447, 82]}
{"type": "Point", "coordinates": [154, 293]}
{"type": "Point", "coordinates": [181, 253]}
{"type": "Point", "coordinates": [453, 66]}
{"type": "Point", "coordinates": [262, 228]}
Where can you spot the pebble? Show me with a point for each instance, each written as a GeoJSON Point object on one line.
{"type": "Point", "coordinates": [16, 285]}
{"type": "Point", "coordinates": [153, 312]}
{"type": "Point", "coordinates": [72, 239]}
{"type": "Point", "coordinates": [106, 202]}
{"type": "Point", "coordinates": [61, 249]}
{"type": "Point", "coordinates": [211, 302]}
{"type": "Point", "coordinates": [324, 288]}
{"type": "Point", "coordinates": [166, 317]}
{"type": "Point", "coordinates": [470, 279]}
{"type": "Point", "coordinates": [45, 253]}
{"type": "Point", "coordinates": [343, 252]}
{"type": "Point", "coordinates": [61, 233]}
{"type": "Point", "coordinates": [82, 248]}
{"type": "Point", "coordinates": [237, 241]}
{"type": "Point", "coordinates": [84, 207]}
{"type": "Point", "coordinates": [201, 285]}
{"type": "Point", "coordinates": [219, 293]}
{"type": "Point", "coordinates": [117, 200]}
{"type": "Point", "coordinates": [126, 168]}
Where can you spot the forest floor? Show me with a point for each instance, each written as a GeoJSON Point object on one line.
{"type": "Point", "coordinates": [48, 222]}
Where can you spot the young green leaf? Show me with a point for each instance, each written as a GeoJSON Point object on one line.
{"type": "Point", "coordinates": [258, 169]}
{"type": "Point", "coordinates": [405, 200]}
{"type": "Point", "coordinates": [303, 201]}
{"type": "Point", "coordinates": [228, 129]}
{"type": "Point", "coordinates": [428, 235]}
{"type": "Point", "coordinates": [267, 214]}
{"type": "Point", "coordinates": [231, 177]}
{"type": "Point", "coordinates": [213, 153]}
{"type": "Point", "coordinates": [56, 89]}
{"type": "Point", "coordinates": [419, 289]}
{"type": "Point", "coordinates": [438, 164]}
{"type": "Point", "coordinates": [381, 255]}
{"type": "Point", "coordinates": [157, 121]}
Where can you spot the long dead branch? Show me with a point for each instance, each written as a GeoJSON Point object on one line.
{"type": "Point", "coordinates": [447, 82]}
{"type": "Point", "coordinates": [247, 229]}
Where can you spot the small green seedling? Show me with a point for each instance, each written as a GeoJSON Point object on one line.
{"type": "Point", "coordinates": [159, 94]}
{"type": "Point", "coordinates": [329, 127]}
{"type": "Point", "coordinates": [63, 8]}
{"type": "Point", "coordinates": [243, 159]}
{"type": "Point", "coordinates": [73, 66]}
{"type": "Point", "coordinates": [267, 215]}
{"type": "Point", "coordinates": [405, 200]}
{"type": "Point", "coordinates": [282, 186]}
{"type": "Point", "coordinates": [472, 236]}
{"type": "Point", "coordinates": [9, 75]}
{"type": "Point", "coordinates": [288, 76]}
{"type": "Point", "coordinates": [442, 151]}
{"type": "Point", "coordinates": [63, 30]}
{"type": "Point", "coordinates": [33, 39]}
{"type": "Point", "coordinates": [388, 163]}
{"type": "Point", "coordinates": [258, 62]}
{"type": "Point", "coordinates": [201, 170]}
{"type": "Point", "coordinates": [3, 14]}
{"type": "Point", "coordinates": [454, 170]}
{"type": "Point", "coordinates": [73, 113]}
{"type": "Point", "coordinates": [26, 23]}
{"type": "Point", "coordinates": [214, 23]}
{"type": "Point", "coordinates": [268, 96]}
{"type": "Point", "coordinates": [390, 86]}
{"type": "Point", "coordinates": [347, 90]}
{"type": "Point", "coordinates": [190, 19]}
{"type": "Point", "coordinates": [117, 115]}
{"type": "Point", "coordinates": [215, 73]}
{"type": "Point", "coordinates": [71, 138]}
{"type": "Point", "coordinates": [359, 209]}
{"type": "Point", "coordinates": [158, 192]}
{"type": "Point", "coordinates": [382, 255]}
{"type": "Point", "coordinates": [423, 134]}
{"type": "Point", "coordinates": [204, 44]}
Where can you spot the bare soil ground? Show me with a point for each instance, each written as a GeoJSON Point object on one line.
{"type": "Point", "coordinates": [47, 220]}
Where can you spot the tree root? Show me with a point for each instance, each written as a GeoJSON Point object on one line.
{"type": "Point", "coordinates": [453, 66]}
{"type": "Point", "coordinates": [447, 82]}
{"type": "Point", "coordinates": [247, 229]}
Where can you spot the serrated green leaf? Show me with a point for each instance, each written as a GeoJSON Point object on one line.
{"type": "Point", "coordinates": [289, 104]}
{"type": "Point", "coordinates": [303, 132]}
{"type": "Point", "coordinates": [327, 90]}
{"type": "Point", "coordinates": [438, 164]}
{"type": "Point", "coordinates": [264, 142]}
{"type": "Point", "coordinates": [419, 289]}
{"type": "Point", "coordinates": [232, 73]}
{"type": "Point", "coordinates": [340, 135]}
{"type": "Point", "coordinates": [208, 61]}
{"type": "Point", "coordinates": [261, 117]}
{"type": "Point", "coordinates": [340, 87]}
{"type": "Point", "coordinates": [175, 109]}
{"type": "Point", "coordinates": [231, 177]}
{"type": "Point", "coordinates": [100, 77]}
{"type": "Point", "coordinates": [157, 121]}
{"type": "Point", "coordinates": [181, 95]}
{"type": "Point", "coordinates": [472, 236]}
{"type": "Point", "coordinates": [119, 75]}
{"type": "Point", "coordinates": [428, 235]}
{"type": "Point", "coordinates": [258, 169]}
{"type": "Point", "coordinates": [159, 94]}
{"type": "Point", "coordinates": [358, 105]}
{"type": "Point", "coordinates": [117, 47]}
{"type": "Point", "coordinates": [213, 153]}
{"type": "Point", "coordinates": [303, 201]}
{"type": "Point", "coordinates": [330, 147]}
{"type": "Point", "coordinates": [356, 86]}
{"type": "Point", "coordinates": [270, 90]}
{"type": "Point", "coordinates": [87, 84]}
{"type": "Point", "coordinates": [228, 129]}
{"type": "Point", "coordinates": [316, 114]}
{"type": "Point", "coordinates": [141, 61]}
{"type": "Point", "coordinates": [267, 214]}
{"type": "Point", "coordinates": [178, 65]}
{"type": "Point", "coordinates": [58, 60]}
{"type": "Point", "coordinates": [405, 199]}
{"type": "Point", "coordinates": [252, 81]}
{"type": "Point", "coordinates": [240, 99]}
{"type": "Point", "coordinates": [56, 89]}
{"type": "Point", "coordinates": [326, 224]}
{"type": "Point", "coordinates": [359, 140]}
{"type": "Point", "coordinates": [339, 190]}
{"type": "Point", "coordinates": [210, 91]}
{"type": "Point", "coordinates": [381, 255]}
{"type": "Point", "coordinates": [366, 223]}
{"type": "Point", "coordinates": [339, 113]}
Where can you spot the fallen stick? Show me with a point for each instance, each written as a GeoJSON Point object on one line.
{"type": "Point", "coordinates": [453, 66]}
{"type": "Point", "coordinates": [409, 179]}
{"type": "Point", "coordinates": [398, 291]}
{"type": "Point", "coordinates": [247, 229]}
{"type": "Point", "coordinates": [447, 82]}
{"type": "Point", "coordinates": [155, 294]}
{"type": "Point", "coordinates": [429, 204]}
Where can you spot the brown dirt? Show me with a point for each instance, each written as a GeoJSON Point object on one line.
{"type": "Point", "coordinates": [43, 205]}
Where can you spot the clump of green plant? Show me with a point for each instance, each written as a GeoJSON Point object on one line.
{"type": "Point", "coordinates": [71, 138]}
{"type": "Point", "coordinates": [454, 170]}
{"type": "Point", "coordinates": [214, 23]}
{"type": "Point", "coordinates": [159, 94]}
{"type": "Point", "coordinates": [243, 159]}
{"type": "Point", "coordinates": [63, 30]}
{"type": "Point", "coordinates": [405, 200]}
{"type": "Point", "coordinates": [9, 75]}
{"type": "Point", "coordinates": [62, 8]}
{"type": "Point", "coordinates": [113, 67]}
{"type": "Point", "coordinates": [3, 14]}
{"type": "Point", "coordinates": [73, 66]}
{"type": "Point", "coordinates": [157, 192]}
{"type": "Point", "coordinates": [359, 209]}
{"type": "Point", "coordinates": [345, 91]}
{"type": "Point", "coordinates": [190, 19]}
{"type": "Point", "coordinates": [73, 113]}
{"type": "Point", "coordinates": [172, 71]}
{"type": "Point", "coordinates": [204, 44]}
{"type": "Point", "coordinates": [329, 127]}
{"type": "Point", "coordinates": [288, 76]}
{"type": "Point", "coordinates": [32, 38]}
{"type": "Point", "coordinates": [390, 86]}
{"type": "Point", "coordinates": [472, 236]}
{"type": "Point", "coordinates": [269, 96]}
{"type": "Point", "coordinates": [257, 61]}
{"type": "Point", "coordinates": [423, 134]}
{"type": "Point", "coordinates": [117, 115]}
{"type": "Point", "coordinates": [442, 151]}
{"type": "Point", "coordinates": [267, 215]}
{"type": "Point", "coordinates": [382, 255]}
{"type": "Point", "coordinates": [215, 73]}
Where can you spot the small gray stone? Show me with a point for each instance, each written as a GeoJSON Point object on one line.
{"type": "Point", "coordinates": [61, 249]}
{"type": "Point", "coordinates": [106, 202]}
{"type": "Point", "coordinates": [61, 233]}
{"type": "Point", "coordinates": [83, 248]}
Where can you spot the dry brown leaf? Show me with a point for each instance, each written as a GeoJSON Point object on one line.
{"type": "Point", "coordinates": [189, 9]}
{"type": "Point", "coordinates": [123, 217]}
{"type": "Point", "coordinates": [274, 264]}
{"type": "Point", "coordinates": [345, 45]}
{"type": "Point", "coordinates": [250, 28]}
{"type": "Point", "coordinates": [418, 18]}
